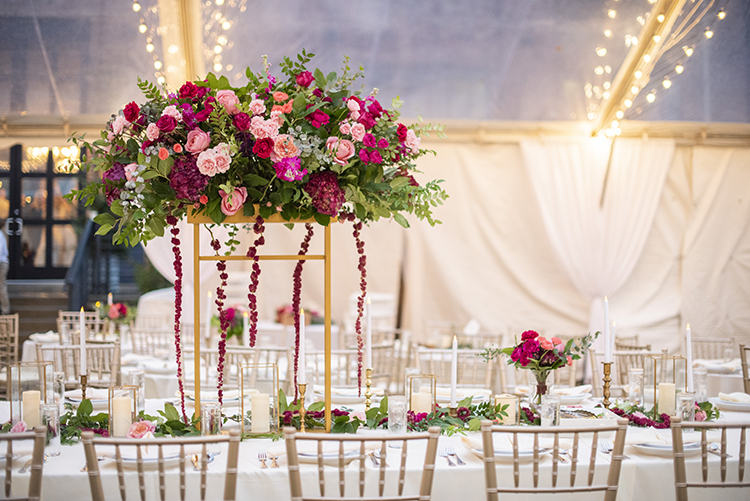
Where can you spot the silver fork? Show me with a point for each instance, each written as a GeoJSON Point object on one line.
{"type": "Point", "coordinates": [605, 447]}
{"type": "Point", "coordinates": [451, 452]}
{"type": "Point", "coordinates": [262, 458]}
{"type": "Point", "coordinates": [444, 454]}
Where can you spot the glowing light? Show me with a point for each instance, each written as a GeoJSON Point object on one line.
{"type": "Point", "coordinates": [598, 70]}
{"type": "Point", "coordinates": [650, 97]}
{"type": "Point", "coordinates": [605, 95]}
{"type": "Point", "coordinates": [221, 39]}
{"type": "Point", "coordinates": [721, 14]}
{"type": "Point", "coordinates": [606, 85]}
{"type": "Point", "coordinates": [612, 13]}
{"type": "Point", "coordinates": [161, 80]}
{"type": "Point", "coordinates": [608, 33]}
{"type": "Point", "coordinates": [634, 89]}
{"type": "Point", "coordinates": [173, 49]}
{"type": "Point", "coordinates": [667, 83]}
{"type": "Point", "coordinates": [591, 116]}
{"type": "Point", "coordinates": [628, 103]}
{"type": "Point", "coordinates": [638, 74]}
{"type": "Point", "coordinates": [601, 51]}
{"type": "Point", "coordinates": [640, 20]}
{"type": "Point", "coordinates": [226, 25]}
{"type": "Point", "coordinates": [608, 69]}
{"type": "Point", "coordinates": [136, 7]}
{"type": "Point", "coordinates": [219, 2]}
{"type": "Point", "coordinates": [142, 28]}
{"type": "Point", "coordinates": [688, 50]}
{"type": "Point", "coordinates": [150, 47]}
{"type": "Point", "coordinates": [217, 49]}
{"type": "Point", "coordinates": [679, 69]}
{"type": "Point", "coordinates": [657, 38]}
{"type": "Point", "coordinates": [217, 67]}
{"type": "Point", "coordinates": [709, 33]}
{"type": "Point", "coordinates": [619, 114]}
{"type": "Point", "coordinates": [660, 18]}
{"type": "Point", "coordinates": [615, 124]}
{"type": "Point", "coordinates": [157, 64]}
{"type": "Point", "coordinates": [647, 57]}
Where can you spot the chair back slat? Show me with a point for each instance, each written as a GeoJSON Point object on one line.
{"type": "Point", "coordinates": [103, 362]}
{"type": "Point", "coordinates": [38, 436]}
{"type": "Point", "coordinates": [574, 461]}
{"type": "Point", "coordinates": [744, 355]}
{"type": "Point", "coordinates": [609, 488]}
{"type": "Point", "coordinates": [295, 481]}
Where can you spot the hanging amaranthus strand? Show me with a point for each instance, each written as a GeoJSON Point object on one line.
{"type": "Point", "coordinates": [361, 298]}
{"type": "Point", "coordinates": [172, 221]}
{"type": "Point", "coordinates": [297, 290]}
{"type": "Point", "coordinates": [252, 253]}
{"type": "Point", "coordinates": [223, 320]}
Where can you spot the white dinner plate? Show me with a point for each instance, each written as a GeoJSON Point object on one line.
{"type": "Point", "coordinates": [666, 449]}
{"type": "Point", "coordinates": [507, 455]}
{"type": "Point", "coordinates": [149, 463]}
{"type": "Point", "coordinates": [328, 457]}
{"type": "Point", "coordinates": [726, 405]}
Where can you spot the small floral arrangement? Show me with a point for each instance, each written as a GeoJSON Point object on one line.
{"type": "Point", "coordinates": [285, 315]}
{"type": "Point", "coordinates": [9, 427]}
{"type": "Point", "coordinates": [234, 321]}
{"type": "Point", "coordinates": [141, 428]}
{"type": "Point", "coordinates": [119, 313]}
{"type": "Point", "coordinates": [642, 418]}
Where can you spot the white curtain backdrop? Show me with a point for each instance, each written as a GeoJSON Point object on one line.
{"type": "Point", "coordinates": [597, 245]}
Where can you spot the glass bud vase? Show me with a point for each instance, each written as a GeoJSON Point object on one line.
{"type": "Point", "coordinates": [538, 387]}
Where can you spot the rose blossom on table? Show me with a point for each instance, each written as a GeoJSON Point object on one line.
{"type": "Point", "coordinates": [257, 107]}
{"type": "Point", "coordinates": [19, 427]}
{"type": "Point", "coordinates": [140, 428]}
{"type": "Point", "coordinates": [152, 132]}
{"type": "Point", "coordinates": [343, 149]}
{"type": "Point", "coordinates": [229, 100]}
{"type": "Point", "coordinates": [119, 124]}
{"type": "Point", "coordinates": [197, 141]}
{"type": "Point", "coordinates": [232, 202]}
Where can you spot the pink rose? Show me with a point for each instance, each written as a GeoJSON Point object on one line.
{"type": "Point", "coordinates": [222, 161]}
{"type": "Point", "coordinates": [114, 312]}
{"type": "Point", "coordinates": [229, 100]}
{"type": "Point", "coordinates": [207, 163]}
{"type": "Point", "coordinates": [152, 132]}
{"type": "Point", "coordinates": [231, 203]}
{"type": "Point", "coordinates": [343, 149]}
{"type": "Point", "coordinates": [197, 141]}
{"type": "Point", "coordinates": [358, 132]}
{"type": "Point", "coordinates": [19, 427]}
{"type": "Point", "coordinates": [222, 149]}
{"type": "Point", "coordinates": [257, 107]}
{"type": "Point", "coordinates": [345, 128]}
{"type": "Point", "coordinates": [119, 124]}
{"type": "Point", "coordinates": [283, 147]}
{"type": "Point", "coordinates": [304, 79]}
{"type": "Point", "coordinates": [412, 141]}
{"type": "Point", "coordinates": [570, 360]}
{"type": "Point", "coordinates": [140, 428]}
{"type": "Point", "coordinates": [545, 343]}
{"type": "Point", "coordinates": [171, 111]}
{"type": "Point", "coordinates": [556, 340]}
{"type": "Point", "coordinates": [130, 171]}
{"type": "Point", "coordinates": [700, 416]}
{"type": "Point", "coordinates": [352, 105]}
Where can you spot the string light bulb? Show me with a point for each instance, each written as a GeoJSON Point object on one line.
{"type": "Point", "coordinates": [601, 51]}
{"type": "Point", "coordinates": [688, 50]}
{"type": "Point", "coordinates": [612, 13]}
{"type": "Point", "coordinates": [226, 25]}
{"type": "Point", "coordinates": [679, 68]}
{"type": "Point", "coordinates": [217, 67]}
{"type": "Point", "coordinates": [657, 38]}
{"type": "Point", "coordinates": [150, 47]}
{"type": "Point", "coordinates": [650, 97]}
{"type": "Point", "coordinates": [628, 103]}
{"type": "Point", "coordinates": [608, 33]}
{"type": "Point", "coordinates": [217, 49]}
{"type": "Point", "coordinates": [157, 64]}
{"type": "Point", "coordinates": [605, 95]}
{"type": "Point", "coordinates": [708, 32]}
{"type": "Point", "coordinates": [161, 80]}
{"type": "Point", "coordinates": [615, 124]}
{"type": "Point", "coordinates": [634, 89]}
{"type": "Point", "coordinates": [608, 69]}
{"type": "Point", "coordinates": [619, 114]}
{"type": "Point", "coordinates": [667, 83]}
{"type": "Point", "coordinates": [599, 70]}
{"type": "Point", "coordinates": [638, 74]}
{"type": "Point", "coordinates": [721, 14]}
{"type": "Point", "coordinates": [142, 28]}
{"type": "Point", "coordinates": [660, 18]}
{"type": "Point", "coordinates": [647, 57]}
{"type": "Point", "coordinates": [136, 6]}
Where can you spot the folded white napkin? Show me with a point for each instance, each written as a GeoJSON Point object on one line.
{"type": "Point", "coordinates": [46, 337]}
{"type": "Point", "coordinates": [574, 391]}
{"type": "Point", "coordinates": [503, 442]}
{"type": "Point", "coordinates": [664, 437]}
{"type": "Point", "coordinates": [735, 397]}
{"type": "Point", "coordinates": [719, 365]}
{"type": "Point", "coordinates": [91, 394]}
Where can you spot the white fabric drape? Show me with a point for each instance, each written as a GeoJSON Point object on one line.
{"type": "Point", "coordinates": [597, 246]}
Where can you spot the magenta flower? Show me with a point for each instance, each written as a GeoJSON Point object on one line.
{"type": "Point", "coordinates": [166, 123]}
{"type": "Point", "coordinates": [529, 335]}
{"type": "Point", "coordinates": [304, 79]}
{"type": "Point", "coordinates": [290, 169]}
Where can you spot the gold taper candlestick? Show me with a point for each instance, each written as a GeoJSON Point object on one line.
{"type": "Point", "coordinates": [607, 379]}
{"type": "Point", "coordinates": [84, 378]}
{"type": "Point", "coordinates": [453, 411]}
{"type": "Point", "coordinates": [302, 389]}
{"type": "Point", "coordinates": [368, 392]}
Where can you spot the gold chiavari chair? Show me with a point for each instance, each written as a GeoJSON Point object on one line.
{"type": "Point", "coordinates": [745, 358]}
{"type": "Point", "coordinates": [68, 325]}
{"type": "Point", "coordinates": [344, 366]}
{"type": "Point", "coordinates": [609, 488]}
{"type": "Point", "coordinates": [473, 370]}
{"type": "Point", "coordinates": [681, 479]}
{"type": "Point", "coordinates": [91, 442]}
{"type": "Point", "coordinates": [712, 348]}
{"type": "Point", "coordinates": [8, 346]}
{"type": "Point", "coordinates": [343, 445]}
{"type": "Point", "coordinates": [39, 436]}
{"type": "Point", "coordinates": [102, 359]}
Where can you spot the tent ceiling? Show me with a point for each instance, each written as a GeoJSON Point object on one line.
{"type": "Point", "coordinates": [473, 62]}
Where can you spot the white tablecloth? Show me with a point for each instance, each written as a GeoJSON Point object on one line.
{"type": "Point", "coordinates": [642, 477]}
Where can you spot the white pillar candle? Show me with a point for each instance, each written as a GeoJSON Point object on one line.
{"type": "Point", "coordinates": [109, 299]}
{"type": "Point", "coordinates": [689, 354]}
{"type": "Point", "coordinates": [607, 339]}
{"type": "Point", "coordinates": [510, 401]}
{"type": "Point", "coordinates": [368, 337]}
{"type": "Point", "coordinates": [30, 408]}
{"type": "Point", "coordinates": [245, 330]}
{"type": "Point", "coordinates": [666, 398]}
{"type": "Point", "coordinates": [122, 416]}
{"type": "Point", "coordinates": [421, 402]}
{"type": "Point", "coordinates": [207, 325]}
{"type": "Point", "coordinates": [261, 416]}
{"type": "Point", "coordinates": [301, 377]}
{"type": "Point", "coordinates": [82, 328]}
{"type": "Point", "coordinates": [454, 372]}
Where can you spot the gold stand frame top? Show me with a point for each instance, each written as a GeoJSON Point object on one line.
{"type": "Point", "coordinates": [198, 219]}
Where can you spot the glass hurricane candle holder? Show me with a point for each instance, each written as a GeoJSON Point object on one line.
{"type": "Point", "coordinates": [30, 385]}
{"type": "Point", "coordinates": [259, 382]}
{"type": "Point", "coordinates": [511, 404]}
{"type": "Point", "coordinates": [50, 418]}
{"type": "Point", "coordinates": [121, 404]}
{"type": "Point", "coordinates": [668, 373]}
{"type": "Point", "coordinates": [422, 391]}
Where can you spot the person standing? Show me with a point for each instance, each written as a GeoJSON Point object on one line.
{"type": "Point", "coordinates": [4, 301]}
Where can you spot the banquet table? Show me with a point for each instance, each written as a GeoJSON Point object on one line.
{"type": "Point", "coordinates": [642, 476]}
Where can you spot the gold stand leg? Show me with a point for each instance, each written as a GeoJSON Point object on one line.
{"type": "Point", "coordinates": [607, 380]}
{"type": "Point", "coordinates": [302, 411]}
{"type": "Point", "coordinates": [368, 392]}
{"type": "Point", "coordinates": [84, 380]}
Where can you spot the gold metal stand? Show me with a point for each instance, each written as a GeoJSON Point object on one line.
{"type": "Point", "coordinates": [302, 411]}
{"type": "Point", "coordinates": [607, 379]}
{"type": "Point", "coordinates": [84, 380]}
{"type": "Point", "coordinates": [200, 219]}
{"type": "Point", "coordinates": [368, 392]}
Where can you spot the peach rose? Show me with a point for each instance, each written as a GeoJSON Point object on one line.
{"type": "Point", "coordinates": [222, 161]}
{"type": "Point", "coordinates": [197, 141]}
{"type": "Point", "coordinates": [231, 203]}
{"type": "Point", "coordinates": [207, 163]}
{"type": "Point", "coordinates": [358, 132]}
{"type": "Point", "coordinates": [19, 427]}
{"type": "Point", "coordinates": [229, 100]}
{"type": "Point", "coordinates": [570, 360]}
{"type": "Point", "coordinates": [119, 124]}
{"type": "Point", "coordinates": [342, 149]}
{"type": "Point", "coordinates": [130, 171]}
{"type": "Point", "coordinates": [140, 428]}
{"type": "Point", "coordinates": [545, 343]}
{"type": "Point", "coordinates": [283, 147]}
{"type": "Point", "coordinates": [556, 340]}
{"type": "Point", "coordinates": [257, 107]}
{"type": "Point", "coordinates": [279, 96]}
{"type": "Point", "coordinates": [152, 132]}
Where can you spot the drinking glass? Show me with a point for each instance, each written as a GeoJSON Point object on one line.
{"type": "Point", "coordinates": [635, 385]}
{"type": "Point", "coordinates": [138, 378]}
{"type": "Point", "coordinates": [397, 405]}
{"type": "Point", "coordinates": [58, 390]}
{"type": "Point", "coordinates": [550, 410]}
{"type": "Point", "coordinates": [700, 381]}
{"type": "Point", "coordinates": [211, 423]}
{"type": "Point", "coordinates": [728, 354]}
{"type": "Point", "coordinates": [50, 417]}
{"type": "Point", "coordinates": [686, 405]}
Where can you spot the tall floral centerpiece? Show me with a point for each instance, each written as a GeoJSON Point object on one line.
{"type": "Point", "coordinates": [541, 356]}
{"type": "Point", "coordinates": [302, 144]}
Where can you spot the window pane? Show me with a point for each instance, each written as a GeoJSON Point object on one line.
{"type": "Point", "coordinates": [64, 242]}
{"type": "Point", "coordinates": [5, 160]}
{"type": "Point", "coordinates": [35, 159]}
{"type": "Point", "coordinates": [33, 245]}
{"type": "Point", "coordinates": [4, 202]}
{"type": "Point", "coordinates": [34, 198]}
{"type": "Point", "coordinates": [62, 208]}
